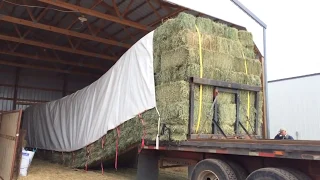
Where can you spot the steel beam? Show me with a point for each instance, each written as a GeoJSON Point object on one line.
{"type": "Point", "coordinates": [94, 13]}
{"type": "Point", "coordinates": [62, 31]}
{"type": "Point", "coordinates": [265, 83]}
{"type": "Point", "coordinates": [249, 13]}
{"type": "Point", "coordinates": [216, 83]}
{"type": "Point", "coordinates": [55, 47]}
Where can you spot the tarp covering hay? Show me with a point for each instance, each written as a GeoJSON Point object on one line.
{"type": "Point", "coordinates": [176, 57]}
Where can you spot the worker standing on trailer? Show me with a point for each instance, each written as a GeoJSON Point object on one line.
{"type": "Point", "coordinates": [283, 135]}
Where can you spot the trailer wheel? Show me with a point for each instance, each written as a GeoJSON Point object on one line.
{"type": "Point", "coordinates": [213, 169]}
{"type": "Point", "coordinates": [298, 174]}
{"type": "Point", "coordinates": [271, 174]}
{"type": "Point", "coordinates": [239, 171]}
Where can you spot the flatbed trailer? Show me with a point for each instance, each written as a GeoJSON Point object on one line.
{"type": "Point", "coordinates": [248, 155]}
{"type": "Point", "coordinates": [238, 157]}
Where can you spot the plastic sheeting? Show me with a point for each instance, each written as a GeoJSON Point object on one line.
{"type": "Point", "coordinates": [77, 120]}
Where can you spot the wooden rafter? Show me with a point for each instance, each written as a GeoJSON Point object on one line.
{"type": "Point", "coordinates": [132, 10]}
{"type": "Point", "coordinates": [77, 20]}
{"type": "Point", "coordinates": [154, 9]}
{"type": "Point", "coordinates": [153, 24]}
{"type": "Point", "coordinates": [40, 16]}
{"type": "Point", "coordinates": [97, 14]}
{"type": "Point", "coordinates": [46, 68]}
{"type": "Point", "coordinates": [174, 13]}
{"type": "Point", "coordinates": [127, 9]}
{"type": "Point", "coordinates": [140, 19]}
{"type": "Point", "coordinates": [55, 47]}
{"type": "Point", "coordinates": [62, 31]}
{"type": "Point", "coordinates": [118, 13]}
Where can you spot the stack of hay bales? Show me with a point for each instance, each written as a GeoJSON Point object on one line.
{"type": "Point", "coordinates": [225, 50]}
{"type": "Point", "coordinates": [176, 58]}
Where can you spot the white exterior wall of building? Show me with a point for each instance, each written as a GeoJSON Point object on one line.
{"type": "Point", "coordinates": [294, 104]}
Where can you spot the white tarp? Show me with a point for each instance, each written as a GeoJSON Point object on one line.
{"type": "Point", "coordinates": [77, 120]}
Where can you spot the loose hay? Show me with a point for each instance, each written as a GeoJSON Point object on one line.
{"type": "Point", "coordinates": [176, 58]}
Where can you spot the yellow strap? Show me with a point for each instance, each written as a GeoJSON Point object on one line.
{"type": "Point", "coordinates": [201, 72]}
{"type": "Point", "coordinates": [248, 104]}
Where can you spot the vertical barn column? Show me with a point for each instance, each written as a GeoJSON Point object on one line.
{"type": "Point", "coordinates": [65, 85]}
{"type": "Point", "coordinates": [15, 95]}
{"type": "Point", "coordinates": [148, 165]}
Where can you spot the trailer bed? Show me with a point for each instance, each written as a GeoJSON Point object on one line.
{"type": "Point", "coordinates": [292, 149]}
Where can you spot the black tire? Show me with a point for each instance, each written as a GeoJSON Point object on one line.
{"type": "Point", "coordinates": [238, 170]}
{"type": "Point", "coordinates": [298, 174]}
{"type": "Point", "coordinates": [213, 167]}
{"type": "Point", "coordinates": [271, 174]}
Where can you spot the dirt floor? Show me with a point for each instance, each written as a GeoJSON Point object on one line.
{"type": "Point", "coordinates": [42, 170]}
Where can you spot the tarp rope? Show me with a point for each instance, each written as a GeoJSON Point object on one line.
{"type": "Point", "coordinates": [63, 160]}
{"type": "Point", "coordinates": [102, 146]}
{"type": "Point", "coordinates": [117, 144]}
{"type": "Point", "coordinates": [73, 158]}
{"type": "Point", "coordinates": [158, 135]}
{"type": "Point", "coordinates": [201, 73]}
{"type": "Point", "coordinates": [88, 152]}
{"type": "Point", "coordinates": [248, 103]}
{"type": "Point", "coordinates": [144, 133]}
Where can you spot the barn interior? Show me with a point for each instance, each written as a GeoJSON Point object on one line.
{"type": "Point", "coordinates": [50, 49]}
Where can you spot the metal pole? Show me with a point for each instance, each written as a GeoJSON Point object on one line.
{"type": "Point", "coordinates": [266, 83]}
{"type": "Point", "coordinates": [249, 13]}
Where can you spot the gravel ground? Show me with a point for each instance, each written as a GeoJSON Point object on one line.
{"type": "Point", "coordinates": [42, 170]}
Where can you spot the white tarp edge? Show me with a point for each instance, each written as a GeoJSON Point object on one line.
{"type": "Point", "coordinates": [77, 120]}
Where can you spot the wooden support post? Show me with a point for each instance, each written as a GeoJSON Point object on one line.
{"type": "Point", "coordinates": [264, 111]}
{"type": "Point", "coordinates": [65, 85]}
{"type": "Point", "coordinates": [15, 95]}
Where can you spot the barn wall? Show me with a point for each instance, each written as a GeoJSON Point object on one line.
{"type": "Point", "coordinates": [294, 104]}
{"type": "Point", "coordinates": [35, 86]}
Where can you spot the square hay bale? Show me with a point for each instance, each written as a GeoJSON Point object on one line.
{"type": "Point", "coordinates": [231, 33]}
{"type": "Point", "coordinates": [204, 25]}
{"type": "Point", "coordinates": [246, 38]}
{"type": "Point", "coordinates": [181, 22]}
{"type": "Point", "coordinates": [218, 29]}
{"type": "Point", "coordinates": [254, 66]}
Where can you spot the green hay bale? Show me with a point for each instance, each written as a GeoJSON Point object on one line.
{"type": "Point", "coordinates": [252, 110]}
{"type": "Point", "coordinates": [246, 38]}
{"type": "Point", "coordinates": [204, 25]}
{"type": "Point", "coordinates": [177, 114]}
{"type": "Point", "coordinates": [179, 91]}
{"type": "Point", "coordinates": [181, 22]}
{"type": "Point", "coordinates": [222, 58]}
{"type": "Point", "coordinates": [183, 72]}
{"type": "Point", "coordinates": [249, 52]}
{"type": "Point", "coordinates": [218, 29]}
{"type": "Point", "coordinates": [156, 58]}
{"type": "Point", "coordinates": [189, 41]}
{"type": "Point", "coordinates": [231, 33]}
{"type": "Point", "coordinates": [227, 114]}
{"type": "Point", "coordinates": [254, 66]}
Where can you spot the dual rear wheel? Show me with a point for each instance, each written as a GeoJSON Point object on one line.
{"type": "Point", "coordinates": [215, 169]}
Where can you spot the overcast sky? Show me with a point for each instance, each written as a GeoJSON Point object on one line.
{"type": "Point", "coordinates": [293, 35]}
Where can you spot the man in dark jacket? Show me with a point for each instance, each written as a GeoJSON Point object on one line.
{"type": "Point", "coordinates": [283, 135]}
